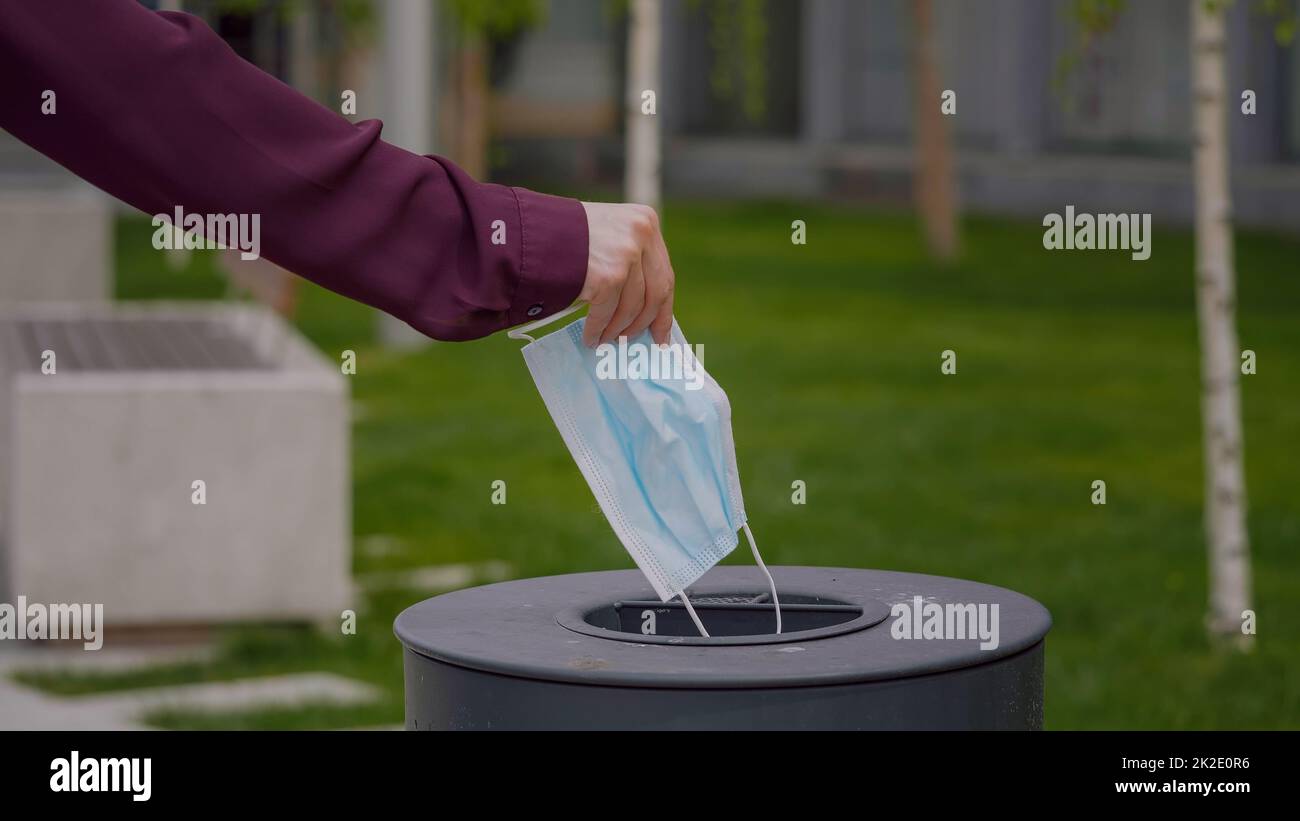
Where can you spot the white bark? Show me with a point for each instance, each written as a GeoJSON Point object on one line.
{"type": "Point", "coordinates": [409, 101]}
{"type": "Point", "coordinates": [641, 175]}
{"type": "Point", "coordinates": [1225, 484]}
{"type": "Point", "coordinates": [303, 74]}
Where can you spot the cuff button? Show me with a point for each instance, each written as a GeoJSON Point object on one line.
{"type": "Point", "coordinates": [535, 310]}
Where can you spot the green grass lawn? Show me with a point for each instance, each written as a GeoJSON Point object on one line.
{"type": "Point", "coordinates": [1072, 367]}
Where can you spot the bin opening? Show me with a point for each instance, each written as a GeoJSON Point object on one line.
{"type": "Point", "coordinates": [731, 618]}
{"type": "Point", "coordinates": [724, 616]}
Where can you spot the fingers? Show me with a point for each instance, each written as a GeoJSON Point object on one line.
{"type": "Point", "coordinates": [630, 281]}
{"type": "Point", "coordinates": [659, 289]}
{"type": "Point", "coordinates": [654, 296]}
{"type": "Point", "coordinates": [662, 326]}
{"type": "Point", "coordinates": [598, 317]}
{"type": "Point", "coordinates": [630, 303]}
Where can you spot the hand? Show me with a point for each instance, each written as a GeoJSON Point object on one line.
{"type": "Point", "coordinates": [629, 278]}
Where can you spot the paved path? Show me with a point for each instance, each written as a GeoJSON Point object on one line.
{"type": "Point", "coordinates": [437, 578]}
{"type": "Point", "coordinates": [25, 708]}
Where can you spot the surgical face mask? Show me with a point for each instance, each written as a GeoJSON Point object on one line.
{"type": "Point", "coordinates": [656, 449]}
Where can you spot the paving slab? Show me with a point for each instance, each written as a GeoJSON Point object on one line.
{"type": "Point", "coordinates": [26, 708]}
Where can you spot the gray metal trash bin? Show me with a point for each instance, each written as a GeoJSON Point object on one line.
{"type": "Point", "coordinates": [599, 651]}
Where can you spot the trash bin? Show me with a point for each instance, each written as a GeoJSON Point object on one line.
{"type": "Point", "coordinates": [861, 649]}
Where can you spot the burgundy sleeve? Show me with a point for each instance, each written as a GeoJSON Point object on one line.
{"type": "Point", "coordinates": [158, 111]}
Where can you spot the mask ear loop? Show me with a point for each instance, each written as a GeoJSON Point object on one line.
{"type": "Point", "coordinates": [699, 625]}
{"type": "Point", "coordinates": [776, 603]}
{"type": "Point", "coordinates": [771, 585]}
{"type": "Point", "coordinates": [522, 331]}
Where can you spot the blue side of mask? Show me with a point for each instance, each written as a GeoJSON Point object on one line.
{"type": "Point", "coordinates": [658, 456]}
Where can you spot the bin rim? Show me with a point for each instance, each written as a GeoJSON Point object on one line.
{"type": "Point", "coordinates": [510, 628]}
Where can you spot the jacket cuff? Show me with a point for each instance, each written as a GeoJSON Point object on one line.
{"type": "Point", "coordinates": [553, 255]}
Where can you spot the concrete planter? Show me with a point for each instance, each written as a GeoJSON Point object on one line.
{"type": "Point", "coordinates": [98, 463]}
{"type": "Point", "coordinates": [58, 244]}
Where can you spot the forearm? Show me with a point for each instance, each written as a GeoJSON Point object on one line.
{"type": "Point", "coordinates": [156, 110]}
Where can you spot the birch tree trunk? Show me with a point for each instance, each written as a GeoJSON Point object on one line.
{"type": "Point", "coordinates": [1225, 485]}
{"type": "Point", "coordinates": [472, 97]}
{"type": "Point", "coordinates": [410, 100]}
{"type": "Point", "coordinates": [641, 173]}
{"type": "Point", "coordinates": [932, 176]}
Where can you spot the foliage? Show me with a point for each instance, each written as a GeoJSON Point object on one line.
{"type": "Point", "coordinates": [1095, 18]}
{"type": "Point", "coordinates": [496, 20]}
{"type": "Point", "coordinates": [738, 37]}
{"type": "Point", "coordinates": [738, 34]}
{"type": "Point", "coordinates": [357, 18]}
{"type": "Point", "coordinates": [1092, 18]}
{"type": "Point", "coordinates": [1283, 15]}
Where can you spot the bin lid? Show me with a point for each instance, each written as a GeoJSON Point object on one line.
{"type": "Point", "coordinates": [515, 628]}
